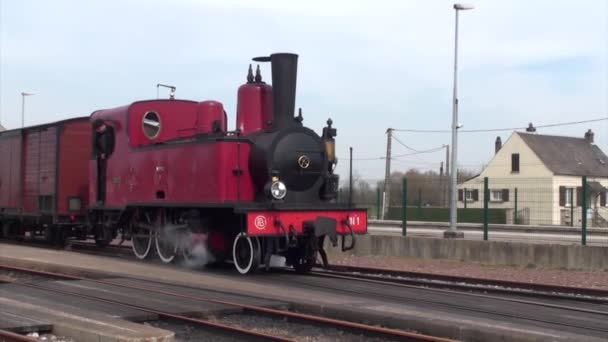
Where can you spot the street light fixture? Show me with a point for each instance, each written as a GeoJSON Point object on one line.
{"type": "Point", "coordinates": [463, 7]}
{"type": "Point", "coordinates": [23, 95]}
{"type": "Point", "coordinates": [452, 231]}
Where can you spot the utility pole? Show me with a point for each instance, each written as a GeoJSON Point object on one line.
{"type": "Point", "coordinates": [441, 192]}
{"type": "Point", "coordinates": [446, 191]}
{"type": "Point", "coordinates": [387, 175]}
{"type": "Point", "coordinates": [452, 231]}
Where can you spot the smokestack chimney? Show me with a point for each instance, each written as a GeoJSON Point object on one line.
{"type": "Point", "coordinates": [589, 136]}
{"type": "Point", "coordinates": [497, 145]}
{"type": "Point", "coordinates": [284, 76]}
{"type": "Point", "coordinates": [531, 128]}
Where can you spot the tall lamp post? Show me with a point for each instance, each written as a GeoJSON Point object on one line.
{"type": "Point", "coordinates": [452, 231]}
{"type": "Point", "coordinates": [23, 95]}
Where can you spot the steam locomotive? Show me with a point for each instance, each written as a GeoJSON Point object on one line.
{"type": "Point", "coordinates": [177, 176]}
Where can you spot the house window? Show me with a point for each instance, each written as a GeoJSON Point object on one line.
{"type": "Point", "coordinates": [468, 195]}
{"type": "Point", "coordinates": [515, 162]}
{"type": "Point", "coordinates": [568, 197]}
{"type": "Point", "coordinates": [496, 196]}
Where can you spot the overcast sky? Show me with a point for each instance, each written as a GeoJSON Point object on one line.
{"type": "Point", "coordinates": [368, 65]}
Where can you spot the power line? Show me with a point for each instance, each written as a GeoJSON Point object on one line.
{"type": "Point", "coordinates": [419, 152]}
{"type": "Point", "coordinates": [400, 155]}
{"type": "Point", "coordinates": [416, 151]}
{"type": "Point", "coordinates": [403, 144]}
{"type": "Point", "coordinates": [499, 129]}
{"type": "Point", "coordinates": [371, 158]}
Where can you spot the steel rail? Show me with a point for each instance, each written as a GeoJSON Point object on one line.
{"type": "Point", "coordinates": [479, 283]}
{"type": "Point", "coordinates": [9, 336]}
{"type": "Point", "coordinates": [246, 333]}
{"type": "Point", "coordinates": [403, 335]}
{"type": "Point", "coordinates": [467, 308]}
{"type": "Point", "coordinates": [507, 299]}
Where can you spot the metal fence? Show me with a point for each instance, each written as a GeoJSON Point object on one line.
{"type": "Point", "coordinates": [568, 201]}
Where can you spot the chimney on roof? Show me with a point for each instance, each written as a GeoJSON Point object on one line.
{"type": "Point", "coordinates": [497, 145]}
{"type": "Point", "coordinates": [589, 136]}
{"type": "Point", "coordinates": [531, 128]}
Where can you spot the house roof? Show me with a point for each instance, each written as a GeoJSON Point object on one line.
{"type": "Point", "coordinates": [567, 155]}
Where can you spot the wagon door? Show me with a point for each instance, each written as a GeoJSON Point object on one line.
{"type": "Point", "coordinates": [40, 170]}
{"type": "Point", "coordinates": [10, 172]}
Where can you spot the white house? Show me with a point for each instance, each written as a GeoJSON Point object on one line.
{"type": "Point", "coordinates": [538, 179]}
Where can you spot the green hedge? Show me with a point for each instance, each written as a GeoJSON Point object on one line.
{"type": "Point", "coordinates": [469, 215]}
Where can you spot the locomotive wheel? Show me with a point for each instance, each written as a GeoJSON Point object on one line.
{"type": "Point", "coordinates": [165, 249]}
{"type": "Point", "coordinates": [142, 243]}
{"type": "Point", "coordinates": [246, 253]}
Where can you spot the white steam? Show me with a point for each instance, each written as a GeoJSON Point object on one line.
{"type": "Point", "coordinates": [191, 246]}
{"type": "Point", "coordinates": [196, 250]}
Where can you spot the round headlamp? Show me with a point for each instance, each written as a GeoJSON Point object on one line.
{"type": "Point", "coordinates": [278, 190]}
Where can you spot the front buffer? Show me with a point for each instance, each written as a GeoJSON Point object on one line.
{"type": "Point", "coordinates": [298, 235]}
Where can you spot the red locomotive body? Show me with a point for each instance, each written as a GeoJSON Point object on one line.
{"type": "Point", "coordinates": [183, 163]}
{"type": "Point", "coordinates": [175, 176]}
{"type": "Point", "coordinates": [43, 178]}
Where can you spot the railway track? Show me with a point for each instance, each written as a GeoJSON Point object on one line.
{"type": "Point", "coordinates": [371, 292]}
{"type": "Point", "coordinates": [371, 330]}
{"type": "Point", "coordinates": [10, 336]}
{"type": "Point", "coordinates": [574, 300]}
{"type": "Point", "coordinates": [507, 299]}
{"type": "Point", "coordinates": [460, 283]}
{"type": "Point", "coordinates": [412, 278]}
{"type": "Point", "coordinates": [431, 280]}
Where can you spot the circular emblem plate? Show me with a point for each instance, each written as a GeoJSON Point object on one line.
{"type": "Point", "coordinates": [260, 222]}
{"type": "Point", "coordinates": [304, 162]}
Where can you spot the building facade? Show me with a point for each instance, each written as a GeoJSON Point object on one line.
{"type": "Point", "coordinates": [537, 179]}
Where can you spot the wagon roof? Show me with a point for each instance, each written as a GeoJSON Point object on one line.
{"type": "Point", "coordinates": [48, 124]}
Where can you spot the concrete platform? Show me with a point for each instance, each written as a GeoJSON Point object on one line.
{"type": "Point", "coordinates": [89, 327]}
{"type": "Point", "coordinates": [71, 304]}
{"type": "Point", "coordinates": [17, 323]}
{"type": "Point", "coordinates": [397, 308]}
{"type": "Point", "coordinates": [18, 319]}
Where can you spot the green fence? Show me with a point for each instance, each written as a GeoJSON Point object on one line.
{"type": "Point", "coordinates": [469, 215]}
{"type": "Point", "coordinates": [570, 201]}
